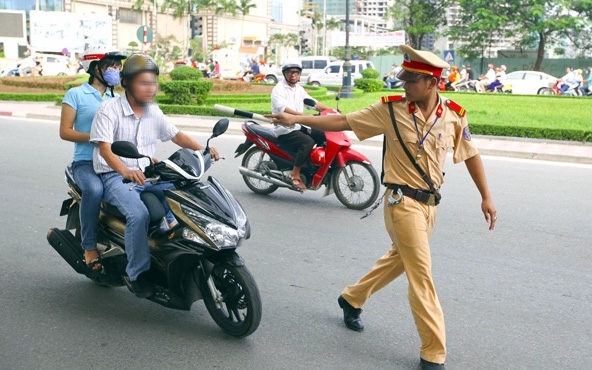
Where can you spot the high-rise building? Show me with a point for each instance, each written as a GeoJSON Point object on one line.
{"type": "Point", "coordinates": [334, 7]}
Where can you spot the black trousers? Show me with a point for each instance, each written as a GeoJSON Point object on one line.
{"type": "Point", "coordinates": [301, 143]}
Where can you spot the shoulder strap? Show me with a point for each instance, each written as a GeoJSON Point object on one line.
{"type": "Point", "coordinates": [424, 176]}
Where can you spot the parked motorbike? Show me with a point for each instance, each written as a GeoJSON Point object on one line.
{"type": "Point", "coordinates": [266, 166]}
{"type": "Point", "coordinates": [196, 259]}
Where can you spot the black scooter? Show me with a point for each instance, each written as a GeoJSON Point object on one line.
{"type": "Point", "coordinates": [196, 259]}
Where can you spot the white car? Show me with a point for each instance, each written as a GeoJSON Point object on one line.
{"type": "Point", "coordinates": [56, 65]}
{"type": "Point", "coordinates": [333, 74]}
{"type": "Point", "coordinates": [51, 65]}
{"type": "Point", "coordinates": [309, 65]}
{"type": "Point", "coordinates": [530, 82]}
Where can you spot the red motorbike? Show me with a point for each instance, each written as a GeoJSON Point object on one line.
{"type": "Point", "coordinates": [343, 170]}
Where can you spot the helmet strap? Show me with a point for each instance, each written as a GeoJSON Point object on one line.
{"type": "Point", "coordinates": [102, 80]}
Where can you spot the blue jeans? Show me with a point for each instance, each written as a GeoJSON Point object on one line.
{"type": "Point", "coordinates": [92, 193]}
{"type": "Point", "coordinates": [137, 218]}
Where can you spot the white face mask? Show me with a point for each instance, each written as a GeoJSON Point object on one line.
{"type": "Point", "coordinates": [111, 76]}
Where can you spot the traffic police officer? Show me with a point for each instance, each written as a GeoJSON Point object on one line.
{"type": "Point", "coordinates": [428, 125]}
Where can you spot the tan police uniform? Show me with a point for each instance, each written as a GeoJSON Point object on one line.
{"type": "Point", "coordinates": [410, 222]}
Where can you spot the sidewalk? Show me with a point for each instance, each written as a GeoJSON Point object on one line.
{"type": "Point", "coordinates": [548, 150]}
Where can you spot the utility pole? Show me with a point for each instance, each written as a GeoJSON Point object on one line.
{"type": "Point", "coordinates": [324, 27]}
{"type": "Point", "coordinates": [346, 89]}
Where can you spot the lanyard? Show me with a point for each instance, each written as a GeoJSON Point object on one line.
{"type": "Point", "coordinates": [419, 137]}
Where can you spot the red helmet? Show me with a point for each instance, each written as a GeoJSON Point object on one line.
{"type": "Point", "coordinates": [317, 156]}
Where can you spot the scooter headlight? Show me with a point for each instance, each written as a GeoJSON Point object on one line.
{"type": "Point", "coordinates": [221, 234]}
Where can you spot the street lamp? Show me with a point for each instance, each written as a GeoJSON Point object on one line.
{"type": "Point", "coordinates": [346, 89]}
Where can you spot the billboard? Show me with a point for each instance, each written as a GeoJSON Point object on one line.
{"type": "Point", "coordinates": [378, 40]}
{"type": "Point", "coordinates": [13, 33]}
{"type": "Point", "coordinates": [59, 31]}
{"type": "Point", "coordinates": [12, 24]}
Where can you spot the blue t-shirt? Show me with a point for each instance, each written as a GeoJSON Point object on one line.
{"type": "Point", "coordinates": [255, 69]}
{"type": "Point", "coordinates": [85, 100]}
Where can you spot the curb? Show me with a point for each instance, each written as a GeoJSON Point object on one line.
{"type": "Point", "coordinates": [532, 149]}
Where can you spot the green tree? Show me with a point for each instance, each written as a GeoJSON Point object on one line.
{"type": "Point", "coordinates": [418, 18]}
{"type": "Point", "coordinates": [283, 41]}
{"type": "Point", "coordinates": [199, 53]}
{"type": "Point", "coordinates": [244, 7]}
{"type": "Point", "coordinates": [317, 26]}
{"type": "Point", "coordinates": [133, 47]}
{"type": "Point", "coordinates": [535, 24]}
{"type": "Point", "coordinates": [226, 7]}
{"type": "Point", "coordinates": [332, 24]}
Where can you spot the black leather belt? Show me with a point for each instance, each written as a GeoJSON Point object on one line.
{"type": "Point", "coordinates": [426, 197]}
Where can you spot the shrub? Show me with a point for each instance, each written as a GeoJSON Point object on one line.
{"type": "Point", "coordinates": [370, 73]}
{"type": "Point", "coordinates": [187, 92]}
{"type": "Point", "coordinates": [41, 82]}
{"type": "Point", "coordinates": [368, 84]}
{"type": "Point", "coordinates": [185, 73]}
{"type": "Point", "coordinates": [31, 97]}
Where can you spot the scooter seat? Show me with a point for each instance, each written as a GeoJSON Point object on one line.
{"type": "Point", "coordinates": [70, 179]}
{"type": "Point", "coordinates": [154, 205]}
{"type": "Point", "coordinates": [265, 132]}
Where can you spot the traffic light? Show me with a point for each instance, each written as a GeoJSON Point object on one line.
{"type": "Point", "coordinates": [303, 45]}
{"type": "Point", "coordinates": [195, 23]}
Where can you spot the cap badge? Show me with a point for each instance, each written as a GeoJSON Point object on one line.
{"type": "Point", "coordinates": [406, 57]}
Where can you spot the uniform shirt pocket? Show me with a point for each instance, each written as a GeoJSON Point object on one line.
{"type": "Point", "coordinates": [443, 143]}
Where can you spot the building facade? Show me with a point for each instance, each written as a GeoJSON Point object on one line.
{"type": "Point", "coordinates": [233, 31]}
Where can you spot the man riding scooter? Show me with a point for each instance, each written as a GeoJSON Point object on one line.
{"type": "Point", "coordinates": [288, 96]}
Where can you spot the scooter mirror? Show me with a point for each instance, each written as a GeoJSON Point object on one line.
{"type": "Point", "coordinates": [125, 149]}
{"type": "Point", "coordinates": [220, 127]}
{"type": "Point", "coordinates": [310, 102]}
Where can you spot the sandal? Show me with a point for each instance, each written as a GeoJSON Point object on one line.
{"type": "Point", "coordinates": [297, 183]}
{"type": "Point", "coordinates": [95, 264]}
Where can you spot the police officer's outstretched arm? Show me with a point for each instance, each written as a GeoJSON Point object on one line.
{"type": "Point", "coordinates": [324, 123]}
{"type": "Point", "coordinates": [477, 172]}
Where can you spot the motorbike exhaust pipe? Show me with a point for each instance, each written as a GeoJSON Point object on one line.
{"type": "Point", "coordinates": [247, 172]}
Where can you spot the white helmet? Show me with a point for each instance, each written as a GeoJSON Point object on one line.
{"type": "Point", "coordinates": [291, 64]}
{"type": "Point", "coordinates": [95, 53]}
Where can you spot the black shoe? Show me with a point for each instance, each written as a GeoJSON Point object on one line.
{"type": "Point", "coordinates": [141, 287]}
{"type": "Point", "coordinates": [426, 365]}
{"type": "Point", "coordinates": [351, 315]}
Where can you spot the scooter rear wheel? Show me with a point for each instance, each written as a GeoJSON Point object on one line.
{"type": "Point", "coordinates": [356, 185]}
{"type": "Point", "coordinates": [255, 159]}
{"type": "Point", "coordinates": [237, 311]}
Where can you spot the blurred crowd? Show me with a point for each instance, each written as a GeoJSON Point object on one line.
{"type": "Point", "coordinates": [575, 82]}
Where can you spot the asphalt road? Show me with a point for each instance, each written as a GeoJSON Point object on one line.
{"type": "Point", "coordinates": [516, 298]}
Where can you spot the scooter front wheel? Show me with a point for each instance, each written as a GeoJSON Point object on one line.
{"type": "Point", "coordinates": [236, 304]}
{"type": "Point", "coordinates": [356, 185]}
{"type": "Point", "coordinates": [256, 160]}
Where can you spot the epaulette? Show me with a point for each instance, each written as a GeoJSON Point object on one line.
{"type": "Point", "coordinates": [455, 107]}
{"type": "Point", "coordinates": [388, 99]}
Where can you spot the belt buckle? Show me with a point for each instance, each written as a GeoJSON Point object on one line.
{"type": "Point", "coordinates": [431, 200]}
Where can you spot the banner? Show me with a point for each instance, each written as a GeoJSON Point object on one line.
{"type": "Point", "coordinates": [376, 40]}
{"type": "Point", "coordinates": [57, 31]}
